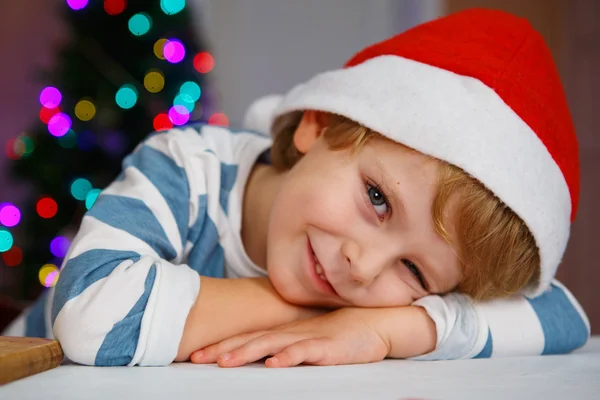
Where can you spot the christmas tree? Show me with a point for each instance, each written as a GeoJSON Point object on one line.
{"type": "Point", "coordinates": [130, 68]}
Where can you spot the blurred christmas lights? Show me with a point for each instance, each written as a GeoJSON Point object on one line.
{"type": "Point", "coordinates": [10, 215]}
{"type": "Point", "coordinates": [80, 188]}
{"type": "Point", "coordinates": [204, 62]}
{"type": "Point", "coordinates": [6, 240]}
{"type": "Point", "coordinates": [77, 4]}
{"type": "Point", "coordinates": [179, 115]}
{"type": "Point", "coordinates": [218, 119]}
{"type": "Point", "coordinates": [91, 198]}
{"type": "Point", "coordinates": [154, 81]}
{"type": "Point", "coordinates": [114, 7]}
{"type": "Point", "coordinates": [50, 97]}
{"type": "Point", "coordinates": [174, 51]}
{"type": "Point", "coordinates": [171, 7]}
{"type": "Point", "coordinates": [13, 257]}
{"type": "Point", "coordinates": [46, 207]}
{"type": "Point", "coordinates": [139, 24]}
{"type": "Point", "coordinates": [59, 246]}
{"type": "Point", "coordinates": [159, 47]}
{"type": "Point", "coordinates": [59, 124]}
{"type": "Point", "coordinates": [162, 122]}
{"type": "Point", "coordinates": [126, 96]}
{"type": "Point", "coordinates": [85, 110]}
{"type": "Point", "coordinates": [48, 275]}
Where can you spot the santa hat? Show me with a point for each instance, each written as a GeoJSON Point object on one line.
{"type": "Point", "coordinates": [479, 90]}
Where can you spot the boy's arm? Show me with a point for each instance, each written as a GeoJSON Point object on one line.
{"type": "Point", "coordinates": [124, 295]}
{"type": "Point", "coordinates": [229, 307]}
{"type": "Point", "coordinates": [553, 323]}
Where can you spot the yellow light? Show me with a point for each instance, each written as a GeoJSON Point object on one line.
{"type": "Point", "coordinates": [159, 45]}
{"type": "Point", "coordinates": [154, 81]}
{"type": "Point", "coordinates": [85, 110]}
{"type": "Point", "coordinates": [48, 275]}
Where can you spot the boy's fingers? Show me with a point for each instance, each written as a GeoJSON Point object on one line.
{"type": "Point", "coordinates": [309, 351]}
{"type": "Point", "coordinates": [253, 350]}
{"type": "Point", "coordinates": [209, 354]}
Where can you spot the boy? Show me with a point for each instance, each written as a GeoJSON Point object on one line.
{"type": "Point", "coordinates": [439, 168]}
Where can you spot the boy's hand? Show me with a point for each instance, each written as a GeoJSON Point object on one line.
{"type": "Point", "coordinates": [344, 336]}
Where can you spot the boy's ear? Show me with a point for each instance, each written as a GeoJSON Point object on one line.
{"type": "Point", "coordinates": [310, 128]}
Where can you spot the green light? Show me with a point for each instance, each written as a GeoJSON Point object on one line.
{"type": "Point", "coordinates": [91, 198]}
{"type": "Point", "coordinates": [68, 140]}
{"type": "Point", "coordinates": [191, 89]}
{"type": "Point", "coordinates": [171, 7]}
{"type": "Point", "coordinates": [80, 188]}
{"type": "Point", "coordinates": [126, 96]}
{"type": "Point", "coordinates": [6, 240]}
{"type": "Point", "coordinates": [139, 24]}
{"type": "Point", "coordinates": [185, 101]}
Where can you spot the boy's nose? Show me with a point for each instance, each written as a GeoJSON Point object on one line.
{"type": "Point", "coordinates": [366, 262]}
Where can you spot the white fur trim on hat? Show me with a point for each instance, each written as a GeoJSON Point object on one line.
{"type": "Point", "coordinates": [462, 121]}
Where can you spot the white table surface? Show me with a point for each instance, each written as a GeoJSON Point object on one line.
{"type": "Point", "coordinates": [573, 377]}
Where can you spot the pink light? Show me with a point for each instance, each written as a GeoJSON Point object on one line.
{"type": "Point", "coordinates": [10, 215]}
{"type": "Point", "coordinates": [179, 115]}
{"type": "Point", "coordinates": [50, 97]}
{"type": "Point", "coordinates": [59, 124]}
{"type": "Point", "coordinates": [174, 51]}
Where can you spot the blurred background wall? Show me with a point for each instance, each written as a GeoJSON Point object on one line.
{"type": "Point", "coordinates": [266, 46]}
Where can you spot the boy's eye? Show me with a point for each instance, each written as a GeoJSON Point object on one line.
{"type": "Point", "coordinates": [378, 199]}
{"type": "Point", "coordinates": [415, 270]}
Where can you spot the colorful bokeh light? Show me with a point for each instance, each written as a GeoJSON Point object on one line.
{"type": "Point", "coordinates": [162, 122]}
{"type": "Point", "coordinates": [159, 47]}
{"type": "Point", "coordinates": [174, 51]}
{"type": "Point", "coordinates": [9, 149]}
{"type": "Point", "coordinates": [85, 110]}
{"type": "Point", "coordinates": [186, 101]}
{"type": "Point", "coordinates": [139, 24]}
{"type": "Point", "coordinates": [10, 215]}
{"type": "Point", "coordinates": [23, 145]}
{"type": "Point", "coordinates": [46, 207]}
{"type": "Point", "coordinates": [154, 81]}
{"type": "Point", "coordinates": [77, 4]}
{"type": "Point", "coordinates": [114, 7]}
{"type": "Point", "coordinates": [68, 140]}
{"type": "Point", "coordinates": [80, 188]}
{"type": "Point", "coordinates": [191, 89]}
{"type": "Point", "coordinates": [47, 113]}
{"type": "Point", "coordinates": [13, 257]}
{"type": "Point", "coordinates": [179, 115]}
{"type": "Point", "coordinates": [6, 240]}
{"type": "Point", "coordinates": [204, 62]}
{"type": "Point", "coordinates": [91, 198]}
{"type": "Point", "coordinates": [48, 275]}
{"type": "Point", "coordinates": [59, 246]}
{"type": "Point", "coordinates": [218, 119]}
{"type": "Point", "coordinates": [171, 7]}
{"type": "Point", "coordinates": [50, 97]}
{"type": "Point", "coordinates": [59, 124]}
{"type": "Point", "coordinates": [126, 96]}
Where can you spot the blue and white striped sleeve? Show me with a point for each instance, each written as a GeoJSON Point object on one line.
{"type": "Point", "coordinates": [123, 297]}
{"type": "Point", "coordinates": [552, 323]}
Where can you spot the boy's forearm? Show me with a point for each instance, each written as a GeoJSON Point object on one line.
{"type": "Point", "coordinates": [228, 307]}
{"type": "Point", "coordinates": [409, 330]}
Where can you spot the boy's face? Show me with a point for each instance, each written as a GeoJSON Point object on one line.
{"type": "Point", "coordinates": [368, 221]}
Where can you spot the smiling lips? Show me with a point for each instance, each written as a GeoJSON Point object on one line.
{"type": "Point", "coordinates": [317, 273]}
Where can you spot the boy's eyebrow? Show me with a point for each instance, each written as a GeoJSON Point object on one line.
{"type": "Point", "coordinates": [431, 285]}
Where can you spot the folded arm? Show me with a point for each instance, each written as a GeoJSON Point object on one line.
{"type": "Point", "coordinates": [553, 323]}
{"type": "Point", "coordinates": [125, 297]}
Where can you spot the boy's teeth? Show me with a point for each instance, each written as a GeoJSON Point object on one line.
{"type": "Point", "coordinates": [320, 272]}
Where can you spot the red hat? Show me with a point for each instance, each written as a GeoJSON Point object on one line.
{"type": "Point", "coordinates": [479, 90]}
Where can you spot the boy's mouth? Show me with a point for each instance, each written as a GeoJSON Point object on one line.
{"type": "Point", "coordinates": [318, 272]}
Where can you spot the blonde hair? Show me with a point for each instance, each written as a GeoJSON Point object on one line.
{"type": "Point", "coordinates": [497, 252]}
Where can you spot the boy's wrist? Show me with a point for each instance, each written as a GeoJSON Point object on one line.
{"type": "Point", "coordinates": [408, 331]}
